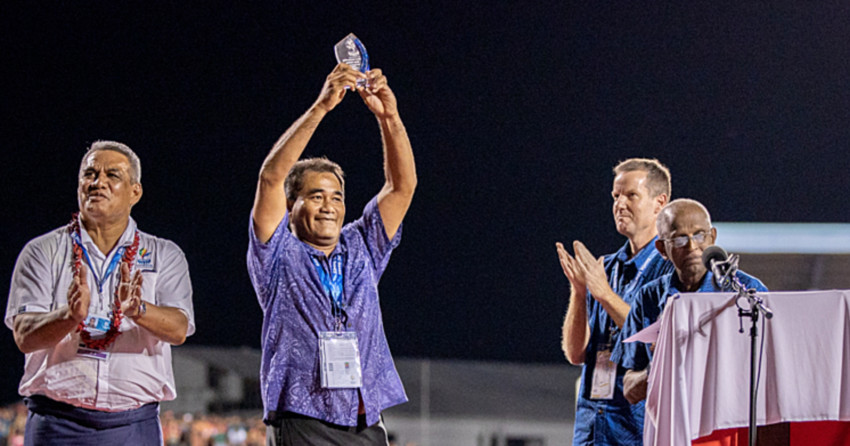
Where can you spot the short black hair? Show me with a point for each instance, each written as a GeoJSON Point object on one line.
{"type": "Point", "coordinates": [295, 178]}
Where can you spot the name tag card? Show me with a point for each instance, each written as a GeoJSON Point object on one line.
{"type": "Point", "coordinates": [98, 324]}
{"type": "Point", "coordinates": [604, 376]}
{"type": "Point", "coordinates": [340, 360]}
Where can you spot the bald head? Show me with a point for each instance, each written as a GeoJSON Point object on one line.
{"type": "Point", "coordinates": [684, 231]}
{"type": "Point", "coordinates": [672, 215]}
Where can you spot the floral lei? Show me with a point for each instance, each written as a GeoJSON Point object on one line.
{"type": "Point", "coordinates": [127, 258]}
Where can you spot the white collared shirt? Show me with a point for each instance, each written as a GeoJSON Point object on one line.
{"type": "Point", "coordinates": [138, 369]}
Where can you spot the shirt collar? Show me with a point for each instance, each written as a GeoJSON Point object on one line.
{"type": "Point", "coordinates": [338, 250]}
{"type": "Point", "coordinates": [648, 250]}
{"type": "Point", "coordinates": [126, 238]}
{"type": "Point", "coordinates": [705, 286]}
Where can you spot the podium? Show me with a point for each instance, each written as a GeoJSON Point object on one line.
{"type": "Point", "coordinates": [699, 379]}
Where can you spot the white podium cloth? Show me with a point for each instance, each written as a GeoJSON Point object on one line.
{"type": "Point", "coordinates": [699, 379]}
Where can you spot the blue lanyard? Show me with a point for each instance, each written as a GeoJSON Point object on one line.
{"type": "Point", "coordinates": [615, 276]}
{"type": "Point", "coordinates": [331, 280]}
{"type": "Point", "coordinates": [119, 253]}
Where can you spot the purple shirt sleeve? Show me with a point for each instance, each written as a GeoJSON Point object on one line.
{"type": "Point", "coordinates": [370, 227]}
{"type": "Point", "coordinates": [265, 257]}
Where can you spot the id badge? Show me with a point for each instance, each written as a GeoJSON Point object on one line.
{"type": "Point", "coordinates": [340, 360]}
{"type": "Point", "coordinates": [98, 324]}
{"type": "Point", "coordinates": [604, 376]}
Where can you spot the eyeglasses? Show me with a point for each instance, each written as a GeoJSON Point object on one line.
{"type": "Point", "coordinates": [682, 240]}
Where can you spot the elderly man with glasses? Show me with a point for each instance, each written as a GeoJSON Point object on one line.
{"type": "Point", "coordinates": [684, 231]}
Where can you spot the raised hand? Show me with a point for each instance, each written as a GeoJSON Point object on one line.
{"type": "Point", "coordinates": [571, 268]}
{"type": "Point", "coordinates": [341, 79]}
{"type": "Point", "coordinates": [130, 291]}
{"type": "Point", "coordinates": [378, 96]}
{"type": "Point", "coordinates": [79, 295]}
{"type": "Point", "coordinates": [592, 269]}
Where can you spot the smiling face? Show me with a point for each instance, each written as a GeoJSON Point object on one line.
{"type": "Point", "coordinates": [106, 191]}
{"type": "Point", "coordinates": [635, 208]}
{"type": "Point", "coordinates": [318, 211]}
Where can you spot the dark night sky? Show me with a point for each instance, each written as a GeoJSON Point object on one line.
{"type": "Point", "coordinates": [516, 112]}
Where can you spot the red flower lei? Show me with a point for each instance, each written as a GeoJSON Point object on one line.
{"type": "Point", "coordinates": [127, 258]}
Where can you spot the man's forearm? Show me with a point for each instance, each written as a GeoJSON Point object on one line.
{"type": "Point", "coordinates": [399, 164]}
{"type": "Point", "coordinates": [400, 172]}
{"type": "Point", "coordinates": [291, 145]}
{"type": "Point", "coordinates": [576, 331]}
{"type": "Point", "coordinates": [36, 331]}
{"type": "Point", "coordinates": [270, 200]}
{"type": "Point", "coordinates": [616, 308]}
{"type": "Point", "coordinates": [167, 323]}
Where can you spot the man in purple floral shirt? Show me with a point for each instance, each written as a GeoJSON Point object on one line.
{"type": "Point", "coordinates": [327, 373]}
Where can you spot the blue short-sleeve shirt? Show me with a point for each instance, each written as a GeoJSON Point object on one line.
{"type": "Point", "coordinates": [615, 421]}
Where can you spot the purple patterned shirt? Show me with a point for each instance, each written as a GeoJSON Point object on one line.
{"type": "Point", "coordinates": [296, 308]}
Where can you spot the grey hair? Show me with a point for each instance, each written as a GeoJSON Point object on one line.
{"type": "Point", "coordinates": [668, 213]}
{"type": "Point", "coordinates": [135, 163]}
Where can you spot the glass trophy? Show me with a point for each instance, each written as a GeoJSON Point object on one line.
{"type": "Point", "coordinates": [352, 52]}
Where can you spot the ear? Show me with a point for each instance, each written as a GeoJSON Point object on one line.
{"type": "Point", "coordinates": [713, 235]}
{"type": "Point", "coordinates": [660, 201]}
{"type": "Point", "coordinates": [659, 245]}
{"type": "Point", "coordinates": [136, 193]}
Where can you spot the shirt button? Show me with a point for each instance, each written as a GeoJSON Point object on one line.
{"type": "Point", "coordinates": [599, 412]}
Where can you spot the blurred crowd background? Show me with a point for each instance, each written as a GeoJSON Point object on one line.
{"type": "Point", "coordinates": [178, 429]}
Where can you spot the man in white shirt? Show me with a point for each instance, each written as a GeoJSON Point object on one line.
{"type": "Point", "coordinates": [95, 306]}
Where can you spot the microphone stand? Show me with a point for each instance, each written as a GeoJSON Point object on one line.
{"type": "Point", "coordinates": [730, 280]}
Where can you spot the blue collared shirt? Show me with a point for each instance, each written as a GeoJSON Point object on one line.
{"type": "Point", "coordinates": [615, 421]}
{"type": "Point", "coordinates": [647, 306]}
{"type": "Point", "coordinates": [296, 308]}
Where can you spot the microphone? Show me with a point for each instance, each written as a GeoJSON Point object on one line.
{"type": "Point", "coordinates": [718, 262]}
{"type": "Point", "coordinates": [724, 267]}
